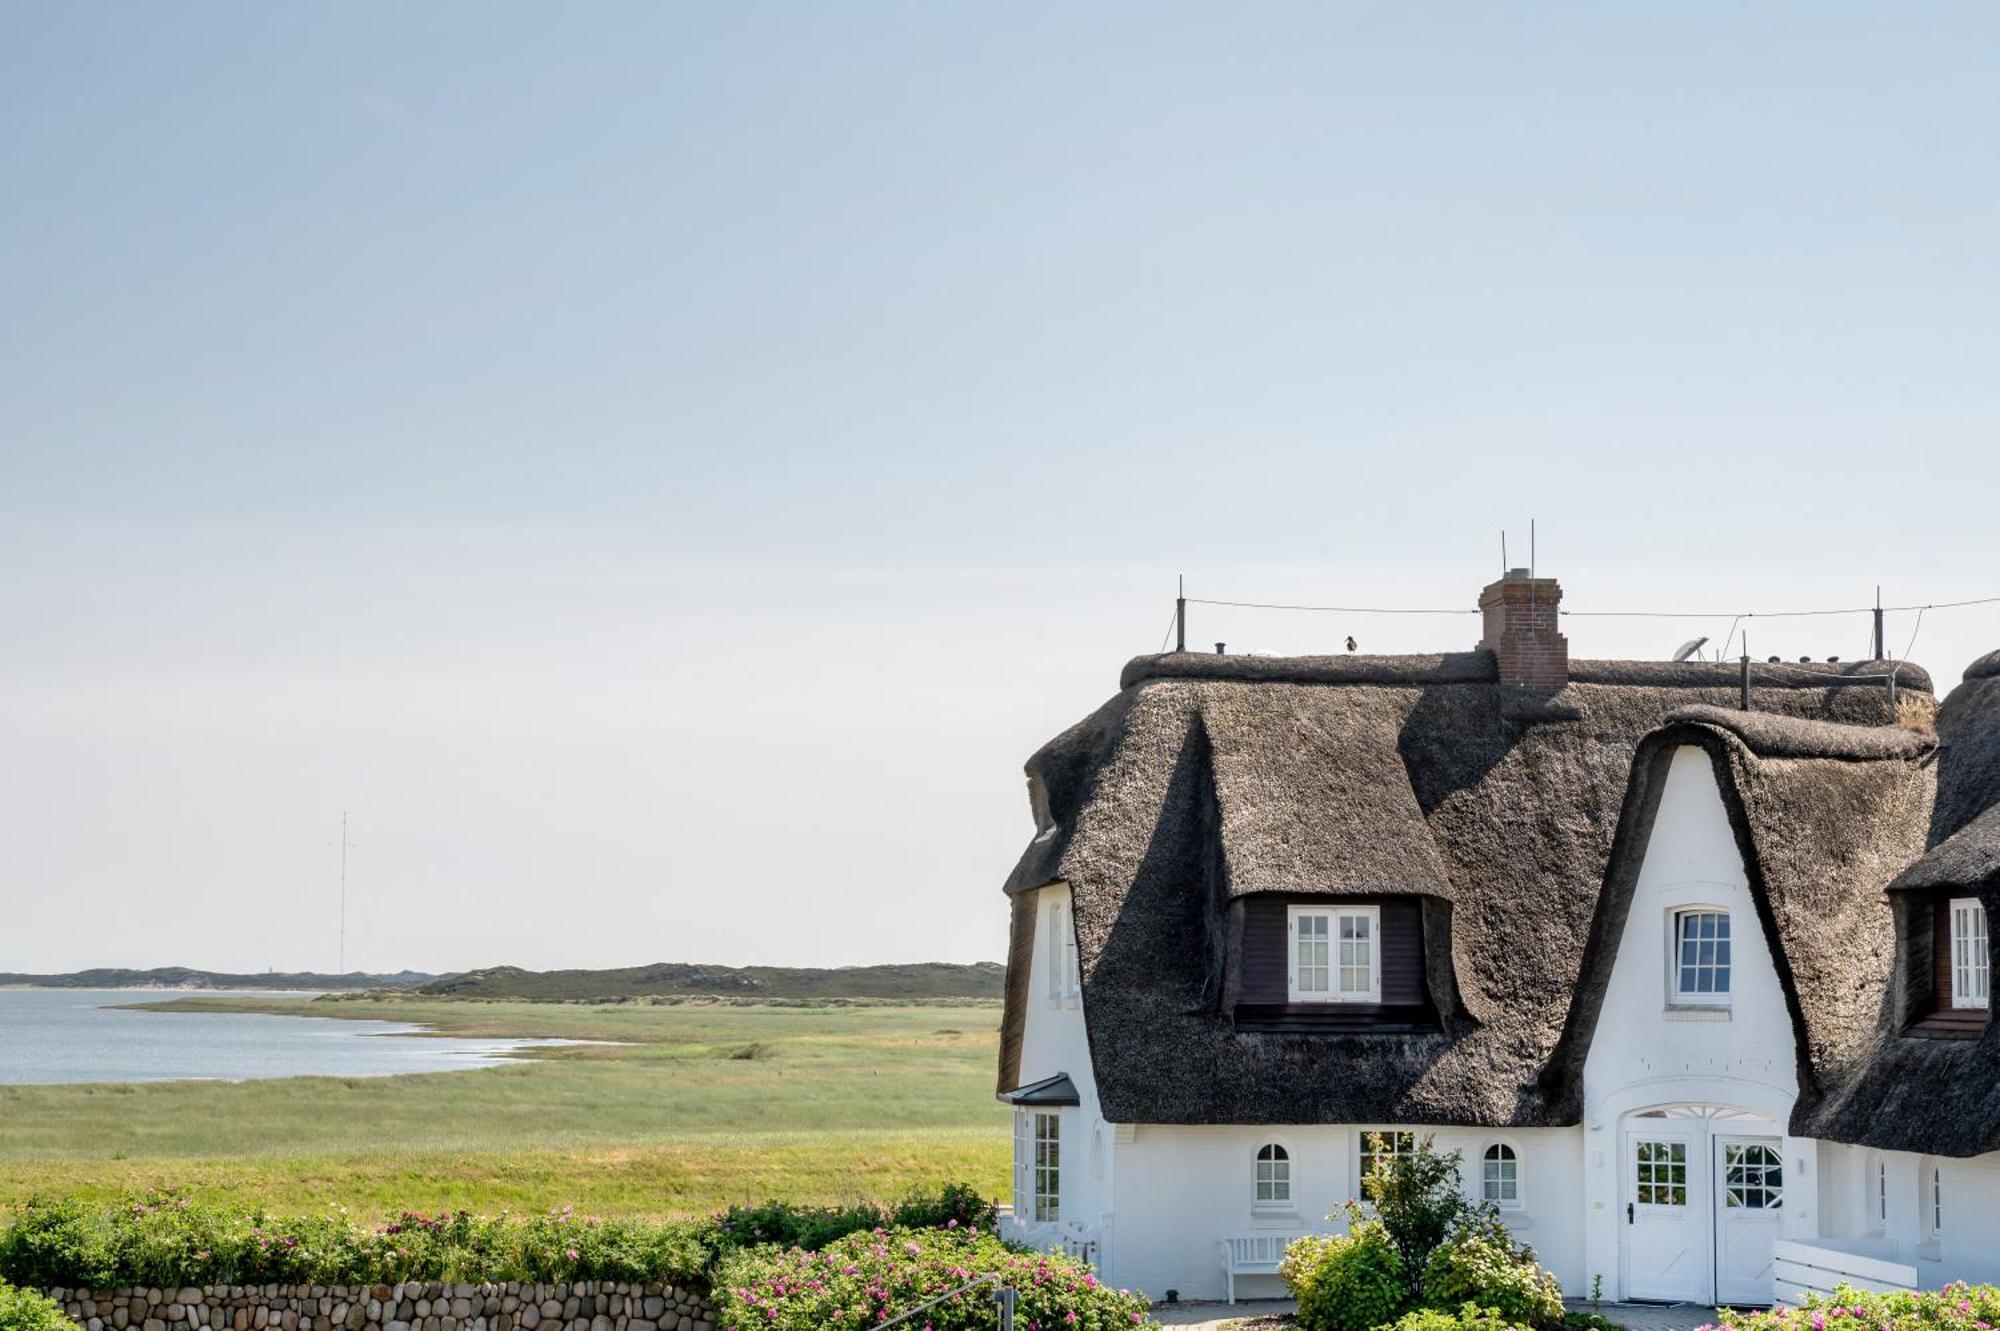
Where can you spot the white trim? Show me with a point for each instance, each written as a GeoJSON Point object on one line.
{"type": "Point", "coordinates": [1520, 1199]}
{"type": "Point", "coordinates": [1367, 946]}
{"type": "Point", "coordinates": [1677, 997]}
{"type": "Point", "coordinates": [1275, 1208]}
{"type": "Point", "coordinates": [1046, 1205]}
{"type": "Point", "coordinates": [1971, 963]}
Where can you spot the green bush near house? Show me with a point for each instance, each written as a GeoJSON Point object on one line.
{"type": "Point", "coordinates": [864, 1279]}
{"type": "Point", "coordinates": [1956, 1307]}
{"type": "Point", "coordinates": [1493, 1274]}
{"type": "Point", "coordinates": [1425, 1255]}
{"type": "Point", "coordinates": [1469, 1317]}
{"type": "Point", "coordinates": [1346, 1282]}
{"type": "Point", "coordinates": [25, 1310]}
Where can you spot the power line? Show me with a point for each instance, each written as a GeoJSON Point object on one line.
{"type": "Point", "coordinates": [1738, 615]}
{"type": "Point", "coordinates": [1330, 609]}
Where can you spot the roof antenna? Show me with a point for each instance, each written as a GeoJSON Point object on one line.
{"type": "Point", "coordinates": [1531, 575]}
{"type": "Point", "coordinates": [1180, 615]}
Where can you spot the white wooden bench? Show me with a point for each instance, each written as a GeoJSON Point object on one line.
{"type": "Point", "coordinates": [1251, 1255]}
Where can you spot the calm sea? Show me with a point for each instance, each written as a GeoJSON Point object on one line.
{"type": "Point", "coordinates": [74, 1035]}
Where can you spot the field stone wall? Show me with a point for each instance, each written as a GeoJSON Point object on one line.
{"type": "Point", "coordinates": [588, 1305]}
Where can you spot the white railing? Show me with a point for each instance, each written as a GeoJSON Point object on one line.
{"type": "Point", "coordinates": [1800, 1268]}
{"type": "Point", "coordinates": [1067, 1237]}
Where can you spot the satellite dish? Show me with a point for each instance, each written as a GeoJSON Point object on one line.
{"type": "Point", "coordinates": [1688, 649]}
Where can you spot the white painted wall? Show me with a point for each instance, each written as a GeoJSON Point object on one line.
{"type": "Point", "coordinates": [1649, 1051]}
{"type": "Point", "coordinates": [1179, 1189]}
{"type": "Point", "coordinates": [1053, 1041]}
{"type": "Point", "coordinates": [1966, 1247]}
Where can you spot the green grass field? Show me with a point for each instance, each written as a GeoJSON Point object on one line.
{"type": "Point", "coordinates": [696, 1107]}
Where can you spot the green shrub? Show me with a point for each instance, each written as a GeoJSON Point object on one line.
{"type": "Point", "coordinates": [1478, 1270]}
{"type": "Point", "coordinates": [171, 1240]}
{"type": "Point", "coordinates": [25, 1310]}
{"type": "Point", "coordinates": [1346, 1282]}
{"type": "Point", "coordinates": [1417, 1199]}
{"type": "Point", "coordinates": [816, 1226]}
{"type": "Point", "coordinates": [864, 1279]}
{"type": "Point", "coordinates": [1956, 1307]}
{"type": "Point", "coordinates": [1469, 1317]}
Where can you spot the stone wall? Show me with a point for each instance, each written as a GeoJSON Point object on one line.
{"type": "Point", "coordinates": [589, 1305]}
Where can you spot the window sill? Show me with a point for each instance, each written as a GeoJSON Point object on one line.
{"type": "Point", "coordinates": [1696, 1012]}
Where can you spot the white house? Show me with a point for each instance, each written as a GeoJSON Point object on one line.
{"type": "Point", "coordinates": [1699, 990]}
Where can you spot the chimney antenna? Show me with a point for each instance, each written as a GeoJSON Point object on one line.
{"type": "Point", "coordinates": [1531, 576]}
{"type": "Point", "coordinates": [1503, 552]}
{"type": "Point", "coordinates": [1180, 615]}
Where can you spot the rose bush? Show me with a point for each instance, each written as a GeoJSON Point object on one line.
{"type": "Point", "coordinates": [864, 1279]}
{"type": "Point", "coordinates": [1956, 1307]}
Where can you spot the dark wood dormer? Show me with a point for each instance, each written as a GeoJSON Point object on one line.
{"type": "Point", "coordinates": [1935, 965]}
{"type": "Point", "coordinates": [1266, 993]}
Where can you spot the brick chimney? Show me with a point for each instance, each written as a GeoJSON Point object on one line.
{"type": "Point", "coordinates": [1520, 622]}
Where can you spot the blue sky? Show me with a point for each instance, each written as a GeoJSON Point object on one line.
{"type": "Point", "coordinates": [662, 468]}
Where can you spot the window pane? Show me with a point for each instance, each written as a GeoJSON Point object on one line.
{"type": "Point", "coordinates": [1702, 953]}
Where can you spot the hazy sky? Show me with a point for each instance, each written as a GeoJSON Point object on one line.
{"type": "Point", "coordinates": [662, 467]}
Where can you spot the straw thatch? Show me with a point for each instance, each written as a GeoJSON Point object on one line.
{"type": "Point", "coordinates": [1912, 1093]}
{"type": "Point", "coordinates": [1207, 779]}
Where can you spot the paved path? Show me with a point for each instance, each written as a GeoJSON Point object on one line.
{"type": "Point", "coordinates": [1632, 1316]}
{"type": "Point", "coordinates": [1214, 1316]}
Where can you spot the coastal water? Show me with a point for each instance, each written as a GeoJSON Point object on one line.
{"type": "Point", "coordinates": [82, 1035]}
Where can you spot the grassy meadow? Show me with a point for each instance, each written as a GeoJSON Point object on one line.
{"type": "Point", "coordinates": [693, 1107]}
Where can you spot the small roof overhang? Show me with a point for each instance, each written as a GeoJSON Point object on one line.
{"type": "Point", "coordinates": [1047, 1093]}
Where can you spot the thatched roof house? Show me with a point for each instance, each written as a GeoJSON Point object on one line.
{"type": "Point", "coordinates": [1209, 779]}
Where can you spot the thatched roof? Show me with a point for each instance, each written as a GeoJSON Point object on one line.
{"type": "Point", "coordinates": [1938, 1096]}
{"type": "Point", "coordinates": [1208, 778]}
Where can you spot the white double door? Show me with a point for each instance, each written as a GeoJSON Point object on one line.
{"type": "Point", "coordinates": [1702, 1208]}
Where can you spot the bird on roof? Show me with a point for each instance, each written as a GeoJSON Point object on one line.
{"type": "Point", "coordinates": [1352, 645]}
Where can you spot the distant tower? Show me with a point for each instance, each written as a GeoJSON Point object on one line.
{"type": "Point", "coordinates": [344, 844]}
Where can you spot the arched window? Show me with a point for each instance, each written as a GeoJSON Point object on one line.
{"type": "Point", "coordinates": [1274, 1175]}
{"type": "Point", "coordinates": [1500, 1175]}
{"type": "Point", "coordinates": [1937, 1200]}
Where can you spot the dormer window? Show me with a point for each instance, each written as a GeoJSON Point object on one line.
{"type": "Point", "coordinates": [1970, 960]}
{"type": "Point", "coordinates": [1334, 954]}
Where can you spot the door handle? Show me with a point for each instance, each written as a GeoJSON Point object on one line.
{"type": "Point", "coordinates": [1628, 1213]}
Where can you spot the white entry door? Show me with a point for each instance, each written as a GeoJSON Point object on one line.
{"type": "Point", "coordinates": [1749, 1207]}
{"type": "Point", "coordinates": [1667, 1254]}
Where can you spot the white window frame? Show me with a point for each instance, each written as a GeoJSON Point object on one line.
{"type": "Point", "coordinates": [1933, 1201]}
{"type": "Point", "coordinates": [1045, 1167]}
{"type": "Point", "coordinates": [1333, 916]}
{"type": "Point", "coordinates": [1677, 919]}
{"type": "Point", "coordinates": [1971, 958]}
{"type": "Point", "coordinates": [1024, 1158]}
{"type": "Point", "coordinates": [1065, 979]}
{"type": "Point", "coordinates": [1519, 1201]}
{"type": "Point", "coordinates": [1403, 1141]}
{"type": "Point", "coordinates": [1279, 1176]}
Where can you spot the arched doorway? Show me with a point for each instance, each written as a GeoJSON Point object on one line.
{"type": "Point", "coordinates": [1704, 1195]}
